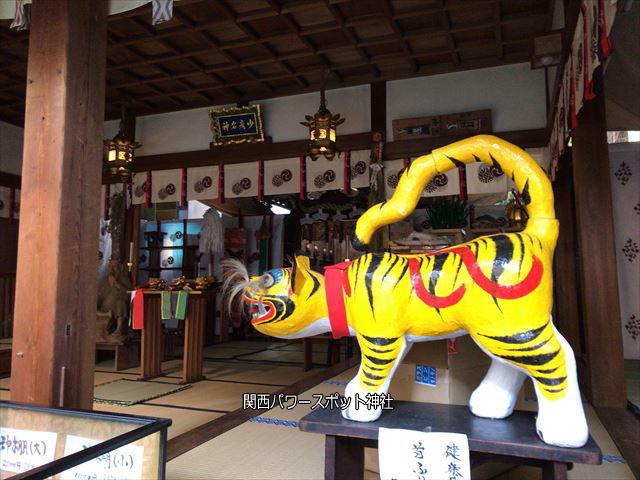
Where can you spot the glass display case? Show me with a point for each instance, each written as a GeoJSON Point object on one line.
{"type": "Point", "coordinates": [42, 442]}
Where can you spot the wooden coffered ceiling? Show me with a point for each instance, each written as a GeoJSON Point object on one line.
{"type": "Point", "coordinates": [227, 51]}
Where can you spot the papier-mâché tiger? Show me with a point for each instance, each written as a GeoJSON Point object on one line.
{"type": "Point", "coordinates": [496, 288]}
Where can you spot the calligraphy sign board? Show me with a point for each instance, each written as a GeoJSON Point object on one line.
{"type": "Point", "coordinates": [410, 454]}
{"type": "Point", "coordinates": [236, 125]}
{"type": "Point", "coordinates": [23, 450]}
{"type": "Point", "coordinates": [467, 123]}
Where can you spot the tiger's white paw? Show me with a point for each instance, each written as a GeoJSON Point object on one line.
{"type": "Point", "coordinates": [496, 396]}
{"type": "Point", "coordinates": [563, 424]}
{"type": "Point", "coordinates": [359, 412]}
{"type": "Point", "coordinates": [492, 401]}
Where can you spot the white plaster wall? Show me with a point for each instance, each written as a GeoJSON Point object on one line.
{"type": "Point", "coordinates": [514, 93]}
{"type": "Point", "coordinates": [11, 138]}
{"type": "Point", "coordinates": [189, 130]}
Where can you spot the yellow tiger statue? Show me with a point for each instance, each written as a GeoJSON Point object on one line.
{"type": "Point", "coordinates": [497, 288]}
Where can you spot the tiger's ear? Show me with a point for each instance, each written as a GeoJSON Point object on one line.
{"type": "Point", "coordinates": [300, 273]}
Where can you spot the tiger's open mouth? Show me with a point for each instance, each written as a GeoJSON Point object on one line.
{"type": "Point", "coordinates": [260, 310]}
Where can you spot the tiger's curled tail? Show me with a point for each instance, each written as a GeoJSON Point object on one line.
{"type": "Point", "coordinates": [527, 175]}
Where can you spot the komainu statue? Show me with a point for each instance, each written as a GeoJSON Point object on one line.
{"type": "Point", "coordinates": [113, 304]}
{"type": "Point", "coordinates": [496, 288]}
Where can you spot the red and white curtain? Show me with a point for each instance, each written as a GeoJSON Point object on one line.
{"type": "Point", "coordinates": [241, 180]}
{"type": "Point", "coordinates": [590, 46]}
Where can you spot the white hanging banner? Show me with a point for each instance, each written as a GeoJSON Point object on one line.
{"type": "Point", "coordinates": [241, 180]}
{"type": "Point", "coordinates": [577, 57]}
{"type": "Point", "coordinates": [323, 174]}
{"type": "Point", "coordinates": [483, 179]}
{"type": "Point", "coordinates": [360, 160]}
{"type": "Point", "coordinates": [138, 188]}
{"type": "Point", "coordinates": [165, 185]}
{"type": "Point", "coordinates": [443, 184]}
{"type": "Point", "coordinates": [392, 171]}
{"type": "Point", "coordinates": [410, 454]}
{"type": "Point", "coordinates": [202, 183]}
{"type": "Point", "coordinates": [282, 176]}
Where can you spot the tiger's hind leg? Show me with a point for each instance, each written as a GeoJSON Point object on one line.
{"type": "Point", "coordinates": [380, 359]}
{"type": "Point", "coordinates": [497, 394]}
{"type": "Point", "coordinates": [544, 355]}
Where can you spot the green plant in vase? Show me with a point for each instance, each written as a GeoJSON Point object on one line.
{"type": "Point", "coordinates": [443, 213]}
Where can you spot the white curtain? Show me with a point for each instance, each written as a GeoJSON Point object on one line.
{"type": "Point", "coordinates": [624, 163]}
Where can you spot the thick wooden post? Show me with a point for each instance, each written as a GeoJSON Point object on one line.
{"type": "Point", "coordinates": [55, 314]}
{"type": "Point", "coordinates": [598, 276]}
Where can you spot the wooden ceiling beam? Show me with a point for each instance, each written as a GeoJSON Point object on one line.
{"type": "Point", "coordinates": [295, 29]}
{"type": "Point", "coordinates": [247, 30]}
{"type": "Point", "coordinates": [338, 17]}
{"type": "Point", "coordinates": [213, 43]}
{"type": "Point", "coordinates": [497, 15]}
{"type": "Point", "coordinates": [446, 24]}
{"type": "Point", "coordinates": [425, 69]}
{"type": "Point", "coordinates": [399, 34]}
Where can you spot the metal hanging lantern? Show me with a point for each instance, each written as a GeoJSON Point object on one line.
{"type": "Point", "coordinates": [120, 152]}
{"type": "Point", "coordinates": [322, 131]}
{"type": "Point", "coordinates": [120, 155]}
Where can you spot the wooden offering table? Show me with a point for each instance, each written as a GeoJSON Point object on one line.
{"type": "Point", "coordinates": [511, 440]}
{"type": "Point", "coordinates": [151, 339]}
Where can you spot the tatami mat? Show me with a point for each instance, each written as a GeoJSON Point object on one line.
{"type": "Point", "coordinates": [182, 419]}
{"type": "Point", "coordinates": [253, 451]}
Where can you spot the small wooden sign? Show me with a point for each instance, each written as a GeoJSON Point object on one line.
{"type": "Point", "coordinates": [478, 121]}
{"type": "Point", "coordinates": [236, 125]}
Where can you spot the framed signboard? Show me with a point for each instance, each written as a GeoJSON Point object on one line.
{"type": "Point", "coordinates": [467, 123]}
{"type": "Point", "coordinates": [236, 125]}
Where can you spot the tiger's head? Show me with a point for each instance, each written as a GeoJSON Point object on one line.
{"type": "Point", "coordinates": [282, 302]}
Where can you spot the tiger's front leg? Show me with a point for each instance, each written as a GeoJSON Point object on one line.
{"type": "Point", "coordinates": [380, 358]}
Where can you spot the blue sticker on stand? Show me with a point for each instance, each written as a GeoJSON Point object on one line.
{"type": "Point", "coordinates": [426, 375]}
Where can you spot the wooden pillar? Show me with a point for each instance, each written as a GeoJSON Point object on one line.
{"type": "Point", "coordinates": [380, 240]}
{"type": "Point", "coordinates": [55, 314]}
{"type": "Point", "coordinates": [594, 231]}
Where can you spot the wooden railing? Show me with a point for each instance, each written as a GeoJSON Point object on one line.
{"type": "Point", "coordinates": [7, 295]}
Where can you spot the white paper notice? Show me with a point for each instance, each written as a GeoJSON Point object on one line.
{"type": "Point", "coordinates": [121, 463]}
{"type": "Point", "coordinates": [409, 454]}
{"type": "Point", "coordinates": [22, 450]}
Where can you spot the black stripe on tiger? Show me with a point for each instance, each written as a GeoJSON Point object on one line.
{"type": "Point", "coordinates": [376, 259]}
{"type": "Point", "coordinates": [372, 377]}
{"type": "Point", "coordinates": [316, 285]}
{"type": "Point", "coordinates": [455, 278]}
{"type": "Point", "coordinates": [525, 195]}
{"type": "Point", "coordinates": [521, 337]}
{"type": "Point", "coordinates": [393, 264]}
{"type": "Point", "coordinates": [519, 237]}
{"type": "Point", "coordinates": [374, 368]}
{"type": "Point", "coordinates": [547, 370]}
{"type": "Point", "coordinates": [551, 382]}
{"type": "Point", "coordinates": [380, 341]}
{"type": "Point", "coordinates": [438, 262]}
{"type": "Point", "coordinates": [477, 158]}
{"type": "Point", "coordinates": [455, 161]}
{"type": "Point", "coordinates": [541, 359]}
{"type": "Point", "coordinates": [370, 384]}
{"type": "Point", "coordinates": [529, 349]}
{"type": "Point", "coordinates": [504, 255]}
{"type": "Point", "coordinates": [355, 283]}
{"type": "Point", "coordinates": [495, 162]}
{"type": "Point", "coordinates": [376, 350]}
{"type": "Point", "coordinates": [553, 390]}
{"type": "Point", "coordinates": [404, 271]}
{"type": "Point", "coordinates": [379, 361]}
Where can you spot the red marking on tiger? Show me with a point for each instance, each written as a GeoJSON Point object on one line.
{"type": "Point", "coordinates": [422, 293]}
